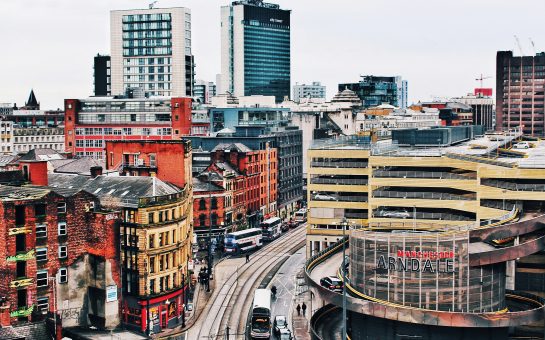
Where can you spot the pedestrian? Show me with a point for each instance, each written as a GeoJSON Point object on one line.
{"type": "Point", "coordinates": [247, 258]}
{"type": "Point", "coordinates": [298, 309]}
{"type": "Point", "coordinates": [304, 308]}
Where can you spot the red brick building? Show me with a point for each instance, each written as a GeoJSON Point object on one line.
{"type": "Point", "coordinates": [59, 255]}
{"type": "Point", "coordinates": [209, 210]}
{"type": "Point", "coordinates": [170, 160]}
{"type": "Point", "coordinates": [89, 123]}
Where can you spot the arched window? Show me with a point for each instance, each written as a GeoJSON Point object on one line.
{"type": "Point", "coordinates": [214, 203]}
{"type": "Point", "coordinates": [214, 219]}
{"type": "Point", "coordinates": [202, 204]}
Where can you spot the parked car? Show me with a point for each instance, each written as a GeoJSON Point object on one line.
{"type": "Point", "coordinates": [285, 226]}
{"type": "Point", "coordinates": [522, 145]}
{"type": "Point", "coordinates": [280, 322]}
{"type": "Point", "coordinates": [285, 334]}
{"type": "Point", "coordinates": [394, 213]}
{"type": "Point", "coordinates": [332, 283]}
{"type": "Point", "coordinates": [323, 197]}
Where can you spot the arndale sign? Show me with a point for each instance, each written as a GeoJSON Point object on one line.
{"type": "Point", "coordinates": [418, 261]}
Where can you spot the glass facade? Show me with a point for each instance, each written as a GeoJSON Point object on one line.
{"type": "Point", "coordinates": [375, 91]}
{"type": "Point", "coordinates": [267, 51]}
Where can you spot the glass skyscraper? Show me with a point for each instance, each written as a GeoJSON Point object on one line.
{"type": "Point", "coordinates": [256, 49]}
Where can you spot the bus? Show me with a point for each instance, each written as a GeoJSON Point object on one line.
{"type": "Point", "coordinates": [261, 314]}
{"type": "Point", "coordinates": [271, 228]}
{"type": "Point", "coordinates": [301, 216]}
{"type": "Point", "coordinates": [242, 241]}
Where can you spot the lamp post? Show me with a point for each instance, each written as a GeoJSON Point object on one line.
{"type": "Point", "coordinates": [344, 223]}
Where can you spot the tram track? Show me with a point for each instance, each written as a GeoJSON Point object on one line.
{"type": "Point", "coordinates": [230, 303]}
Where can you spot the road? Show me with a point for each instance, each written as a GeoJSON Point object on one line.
{"type": "Point", "coordinates": [330, 325]}
{"type": "Point", "coordinates": [235, 283]}
{"type": "Point", "coordinates": [285, 281]}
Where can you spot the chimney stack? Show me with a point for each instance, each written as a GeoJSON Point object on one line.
{"type": "Point", "coordinates": [96, 171]}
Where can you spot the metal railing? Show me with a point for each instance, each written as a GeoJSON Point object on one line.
{"type": "Point", "coordinates": [339, 181]}
{"type": "Point", "coordinates": [338, 198]}
{"type": "Point", "coordinates": [485, 160]}
{"type": "Point", "coordinates": [339, 164]}
{"type": "Point", "coordinates": [419, 174]}
{"type": "Point", "coordinates": [348, 142]}
{"type": "Point", "coordinates": [505, 217]}
{"type": "Point", "coordinates": [139, 165]}
{"type": "Point", "coordinates": [513, 186]}
{"type": "Point", "coordinates": [423, 195]}
{"type": "Point", "coordinates": [427, 216]}
{"type": "Point", "coordinates": [356, 215]}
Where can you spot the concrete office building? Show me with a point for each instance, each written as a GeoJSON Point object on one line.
{"type": "Point", "coordinates": [314, 90]}
{"type": "Point", "coordinates": [520, 87]}
{"type": "Point", "coordinates": [483, 109]}
{"type": "Point", "coordinates": [204, 91]}
{"type": "Point", "coordinates": [377, 90]}
{"type": "Point", "coordinates": [151, 50]}
{"type": "Point", "coordinates": [255, 49]}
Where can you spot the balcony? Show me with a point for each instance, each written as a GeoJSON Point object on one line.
{"type": "Point", "coordinates": [140, 164]}
{"type": "Point", "coordinates": [21, 282]}
{"type": "Point", "coordinates": [21, 256]}
{"type": "Point", "coordinates": [22, 311]}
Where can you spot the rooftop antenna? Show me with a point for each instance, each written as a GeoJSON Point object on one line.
{"type": "Point", "coordinates": [152, 4]}
{"type": "Point", "coordinates": [519, 45]}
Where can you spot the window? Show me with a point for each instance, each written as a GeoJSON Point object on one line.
{"type": "Point", "coordinates": [43, 304]}
{"type": "Point", "coordinates": [41, 278]}
{"type": "Point", "coordinates": [61, 208]}
{"type": "Point", "coordinates": [63, 252]}
{"type": "Point", "coordinates": [41, 230]}
{"type": "Point", "coordinates": [62, 228]}
{"type": "Point", "coordinates": [214, 203]}
{"type": "Point", "coordinates": [63, 275]}
{"type": "Point", "coordinates": [202, 204]}
{"type": "Point", "coordinates": [39, 209]}
{"type": "Point", "coordinates": [41, 254]}
{"type": "Point", "coordinates": [152, 264]}
{"type": "Point", "coordinates": [152, 286]}
{"type": "Point", "coordinates": [202, 220]}
{"type": "Point", "coordinates": [152, 241]}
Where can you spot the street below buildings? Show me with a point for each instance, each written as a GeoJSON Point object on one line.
{"type": "Point", "coordinates": [286, 284]}
{"type": "Point", "coordinates": [235, 282]}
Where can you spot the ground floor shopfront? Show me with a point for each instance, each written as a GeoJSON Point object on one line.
{"type": "Point", "coordinates": [163, 312]}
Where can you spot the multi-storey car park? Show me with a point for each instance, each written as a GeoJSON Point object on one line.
{"type": "Point", "coordinates": [446, 230]}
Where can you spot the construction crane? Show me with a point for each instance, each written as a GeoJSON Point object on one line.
{"type": "Point", "coordinates": [533, 45]}
{"type": "Point", "coordinates": [152, 4]}
{"type": "Point", "coordinates": [519, 46]}
{"type": "Point", "coordinates": [481, 78]}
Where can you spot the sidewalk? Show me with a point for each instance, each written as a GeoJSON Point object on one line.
{"type": "Point", "coordinates": [301, 323]}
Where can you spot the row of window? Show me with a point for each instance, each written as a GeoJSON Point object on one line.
{"type": "Point", "coordinates": [41, 230]}
{"type": "Point", "coordinates": [42, 277]}
{"type": "Point", "coordinates": [162, 239]}
{"type": "Point", "coordinates": [41, 253]}
{"type": "Point", "coordinates": [162, 284]}
{"type": "Point", "coordinates": [146, 61]}
{"type": "Point", "coordinates": [163, 262]}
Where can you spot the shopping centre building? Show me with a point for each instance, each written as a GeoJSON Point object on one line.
{"type": "Point", "coordinates": [447, 230]}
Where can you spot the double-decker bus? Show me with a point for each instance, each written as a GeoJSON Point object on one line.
{"type": "Point", "coordinates": [301, 216]}
{"type": "Point", "coordinates": [271, 228]}
{"type": "Point", "coordinates": [242, 241]}
{"type": "Point", "coordinates": [261, 314]}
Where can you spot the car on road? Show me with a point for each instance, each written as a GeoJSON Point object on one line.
{"type": "Point", "coordinates": [280, 322]}
{"type": "Point", "coordinates": [332, 283]}
{"type": "Point", "coordinates": [285, 226]}
{"type": "Point", "coordinates": [285, 334]}
{"type": "Point", "coordinates": [522, 145]}
{"type": "Point", "coordinates": [293, 224]}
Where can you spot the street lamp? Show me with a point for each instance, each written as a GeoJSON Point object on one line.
{"type": "Point", "coordinates": [344, 222]}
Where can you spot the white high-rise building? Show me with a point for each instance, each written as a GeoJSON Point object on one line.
{"type": "Point", "coordinates": [151, 50]}
{"type": "Point", "coordinates": [314, 90]}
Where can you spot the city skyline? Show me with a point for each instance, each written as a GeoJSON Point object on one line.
{"type": "Point", "coordinates": [436, 62]}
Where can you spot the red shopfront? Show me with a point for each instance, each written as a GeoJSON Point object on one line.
{"type": "Point", "coordinates": [164, 311]}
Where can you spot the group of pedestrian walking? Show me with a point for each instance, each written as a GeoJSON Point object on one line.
{"type": "Point", "coordinates": [300, 308]}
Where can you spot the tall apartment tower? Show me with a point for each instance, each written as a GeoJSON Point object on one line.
{"type": "Point", "coordinates": [151, 50]}
{"type": "Point", "coordinates": [520, 87]}
{"type": "Point", "coordinates": [102, 75]}
{"type": "Point", "coordinates": [255, 49]}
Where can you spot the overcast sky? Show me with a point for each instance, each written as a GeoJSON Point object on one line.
{"type": "Point", "coordinates": [440, 47]}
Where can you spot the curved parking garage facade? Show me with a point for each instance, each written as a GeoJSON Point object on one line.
{"type": "Point", "coordinates": [449, 241]}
